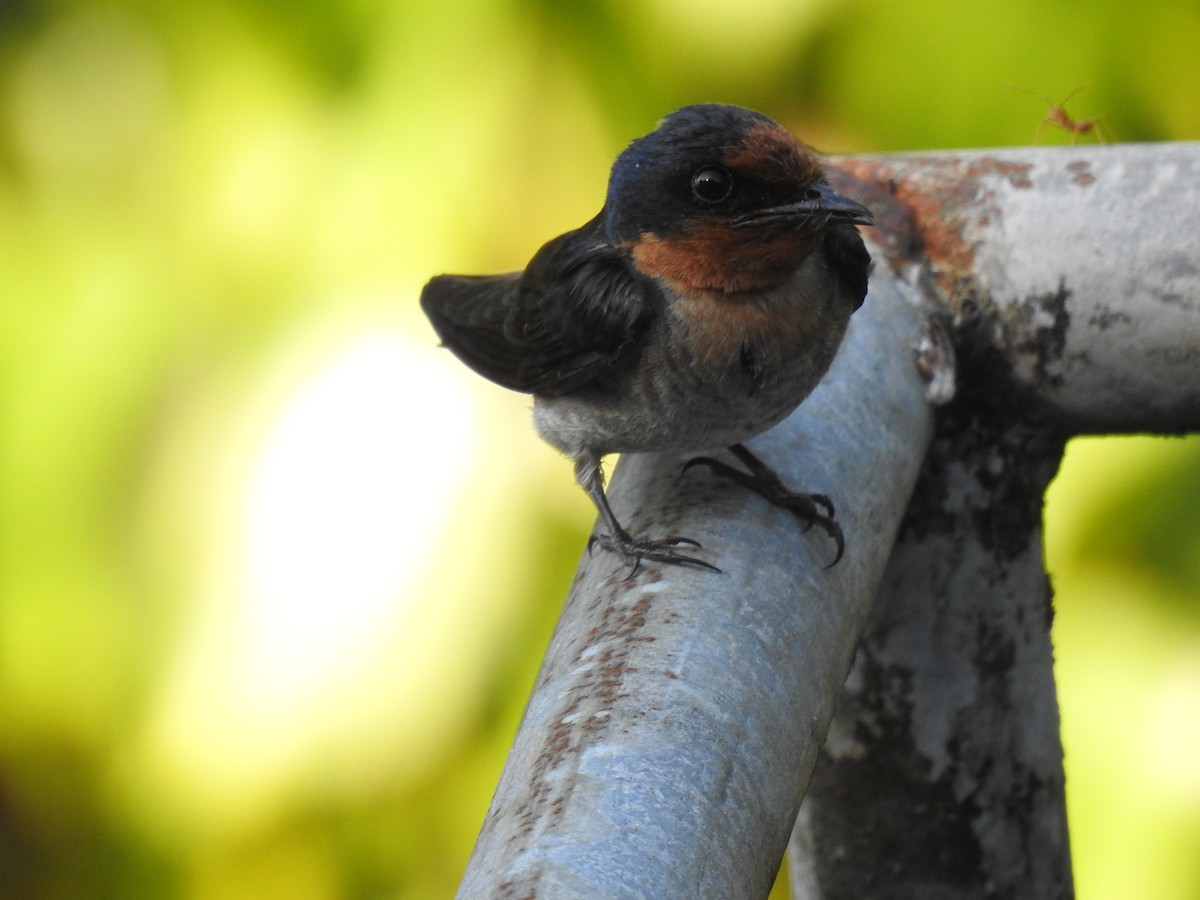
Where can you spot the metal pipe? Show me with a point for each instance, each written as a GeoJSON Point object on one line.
{"type": "Point", "coordinates": [677, 718]}
{"type": "Point", "coordinates": [677, 715]}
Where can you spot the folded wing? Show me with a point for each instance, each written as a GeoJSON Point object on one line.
{"type": "Point", "coordinates": [568, 318]}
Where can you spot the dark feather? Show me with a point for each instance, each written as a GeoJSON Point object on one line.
{"type": "Point", "coordinates": [550, 330]}
{"type": "Point", "coordinates": [848, 257]}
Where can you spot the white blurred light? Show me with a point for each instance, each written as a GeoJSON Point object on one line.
{"type": "Point", "coordinates": [343, 509]}
{"type": "Point", "coordinates": [312, 636]}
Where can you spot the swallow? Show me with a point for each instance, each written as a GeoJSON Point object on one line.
{"type": "Point", "coordinates": [699, 308]}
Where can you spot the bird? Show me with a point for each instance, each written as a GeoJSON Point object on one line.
{"type": "Point", "coordinates": [697, 309]}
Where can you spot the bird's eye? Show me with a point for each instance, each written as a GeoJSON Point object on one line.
{"type": "Point", "coordinates": [712, 184]}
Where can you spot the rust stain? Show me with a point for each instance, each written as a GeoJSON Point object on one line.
{"type": "Point", "coordinates": [1081, 172]}
{"type": "Point", "coordinates": [924, 207]}
{"type": "Point", "coordinates": [585, 713]}
{"type": "Point", "coordinates": [869, 182]}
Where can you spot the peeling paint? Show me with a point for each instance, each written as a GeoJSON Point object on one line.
{"type": "Point", "coordinates": [1037, 330]}
{"type": "Point", "coordinates": [940, 845]}
{"type": "Point", "coordinates": [1104, 317]}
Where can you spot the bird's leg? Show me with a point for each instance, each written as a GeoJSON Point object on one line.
{"type": "Point", "coordinates": [617, 539]}
{"type": "Point", "coordinates": [810, 509]}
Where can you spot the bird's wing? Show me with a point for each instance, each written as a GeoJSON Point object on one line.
{"type": "Point", "coordinates": [560, 324]}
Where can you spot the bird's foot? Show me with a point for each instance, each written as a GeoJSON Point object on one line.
{"type": "Point", "coordinates": [662, 551]}
{"type": "Point", "coordinates": [810, 509]}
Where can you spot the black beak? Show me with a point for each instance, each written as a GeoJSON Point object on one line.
{"type": "Point", "coordinates": [821, 207]}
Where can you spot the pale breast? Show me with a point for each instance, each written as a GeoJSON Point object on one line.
{"type": "Point", "coordinates": [716, 368]}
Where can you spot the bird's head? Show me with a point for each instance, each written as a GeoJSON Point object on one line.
{"type": "Point", "coordinates": [721, 198]}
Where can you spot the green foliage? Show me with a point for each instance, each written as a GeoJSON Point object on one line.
{"type": "Point", "coordinates": [276, 576]}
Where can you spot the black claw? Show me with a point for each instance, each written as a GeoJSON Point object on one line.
{"type": "Point", "coordinates": [810, 509]}
{"type": "Point", "coordinates": [834, 530]}
{"type": "Point", "coordinates": [634, 552]}
{"type": "Point", "coordinates": [616, 539]}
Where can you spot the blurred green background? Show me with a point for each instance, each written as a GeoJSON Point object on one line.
{"type": "Point", "coordinates": [275, 574]}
